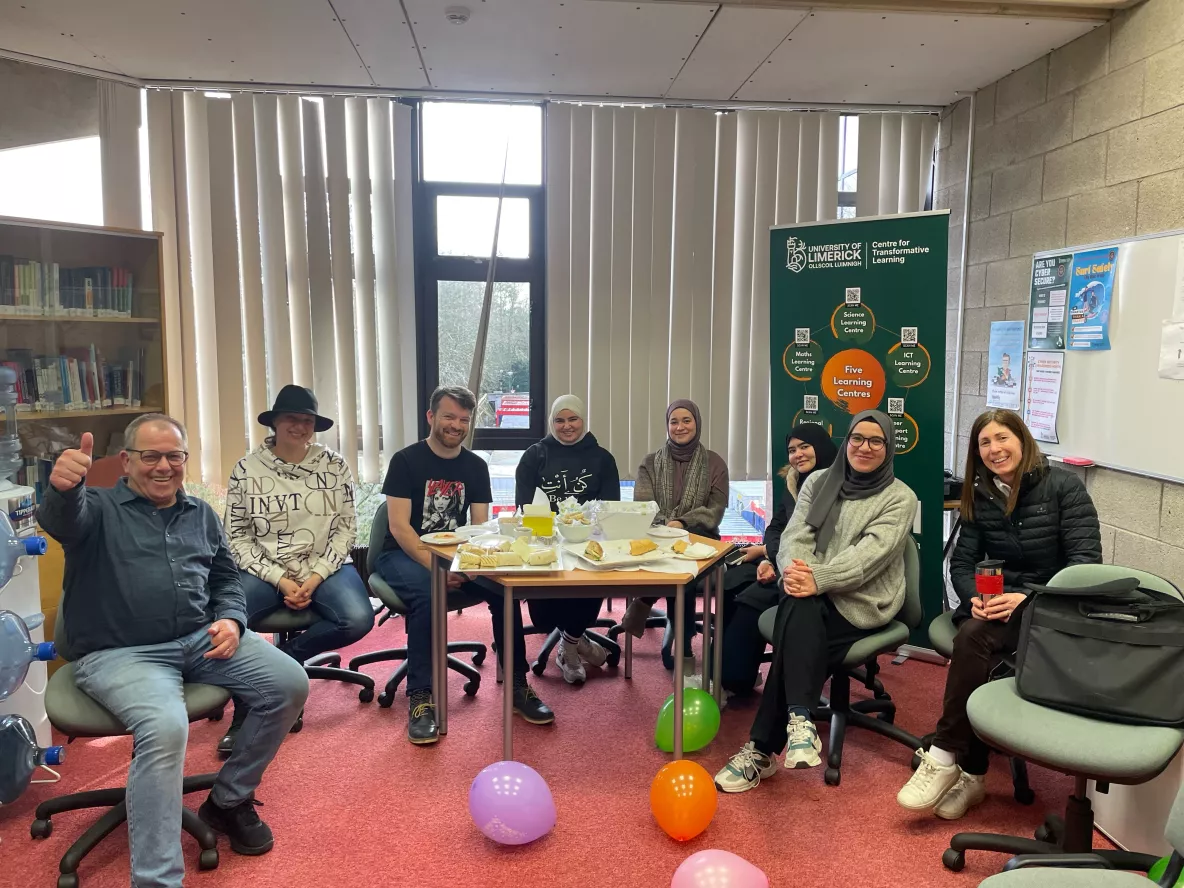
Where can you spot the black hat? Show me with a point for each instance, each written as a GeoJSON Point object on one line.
{"type": "Point", "coordinates": [295, 399]}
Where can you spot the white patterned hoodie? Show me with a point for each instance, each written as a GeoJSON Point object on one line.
{"type": "Point", "coordinates": [290, 519]}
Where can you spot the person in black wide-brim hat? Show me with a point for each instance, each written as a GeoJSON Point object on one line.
{"type": "Point", "coordinates": [290, 525]}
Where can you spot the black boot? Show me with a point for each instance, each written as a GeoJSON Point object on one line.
{"type": "Point", "coordinates": [422, 727]}
{"type": "Point", "coordinates": [241, 824]}
{"type": "Point", "coordinates": [528, 705]}
{"type": "Point", "coordinates": [226, 744]}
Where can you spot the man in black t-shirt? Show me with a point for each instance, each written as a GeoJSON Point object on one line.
{"type": "Point", "coordinates": [430, 487]}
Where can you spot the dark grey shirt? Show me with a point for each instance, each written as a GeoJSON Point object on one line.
{"type": "Point", "coordinates": [130, 578]}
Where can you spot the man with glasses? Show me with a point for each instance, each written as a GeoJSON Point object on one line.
{"type": "Point", "coordinates": [151, 600]}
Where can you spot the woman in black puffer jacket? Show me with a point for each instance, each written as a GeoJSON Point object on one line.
{"type": "Point", "coordinates": [1036, 519]}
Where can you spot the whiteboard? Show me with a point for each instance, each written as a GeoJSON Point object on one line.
{"type": "Point", "coordinates": [1115, 409]}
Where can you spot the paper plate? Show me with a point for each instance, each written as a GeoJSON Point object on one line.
{"type": "Point", "coordinates": [668, 533]}
{"type": "Point", "coordinates": [446, 538]}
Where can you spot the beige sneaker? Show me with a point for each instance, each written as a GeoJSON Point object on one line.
{"type": "Point", "coordinates": [590, 652]}
{"type": "Point", "coordinates": [928, 785]}
{"type": "Point", "coordinates": [970, 790]}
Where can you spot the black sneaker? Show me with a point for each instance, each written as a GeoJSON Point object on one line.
{"type": "Point", "coordinates": [241, 824]}
{"type": "Point", "coordinates": [422, 727]}
{"type": "Point", "coordinates": [528, 705]}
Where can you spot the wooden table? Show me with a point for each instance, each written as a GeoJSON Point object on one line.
{"type": "Point", "coordinates": [582, 584]}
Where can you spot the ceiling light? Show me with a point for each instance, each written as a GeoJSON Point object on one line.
{"type": "Point", "coordinates": [457, 15]}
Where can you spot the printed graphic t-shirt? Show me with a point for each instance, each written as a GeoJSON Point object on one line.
{"type": "Point", "coordinates": [441, 490]}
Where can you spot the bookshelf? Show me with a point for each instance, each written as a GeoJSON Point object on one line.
{"type": "Point", "coordinates": [81, 321]}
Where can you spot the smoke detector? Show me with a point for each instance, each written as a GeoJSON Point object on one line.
{"type": "Point", "coordinates": [457, 15]}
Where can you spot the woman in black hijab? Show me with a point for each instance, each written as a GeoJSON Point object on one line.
{"type": "Point", "coordinates": [751, 588]}
{"type": "Point", "coordinates": [842, 573]}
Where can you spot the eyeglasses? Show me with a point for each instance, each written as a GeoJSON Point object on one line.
{"type": "Point", "coordinates": [875, 443]}
{"type": "Point", "coordinates": [176, 458]}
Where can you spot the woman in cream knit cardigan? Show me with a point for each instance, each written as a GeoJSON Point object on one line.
{"type": "Point", "coordinates": [842, 572]}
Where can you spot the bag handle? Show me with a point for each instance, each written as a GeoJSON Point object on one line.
{"type": "Point", "coordinates": [1120, 612]}
{"type": "Point", "coordinates": [1126, 588]}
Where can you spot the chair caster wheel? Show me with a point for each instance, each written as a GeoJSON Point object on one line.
{"type": "Point", "coordinates": [298, 726]}
{"type": "Point", "coordinates": [208, 859]}
{"type": "Point", "coordinates": [1044, 834]}
{"type": "Point", "coordinates": [471, 688]}
{"type": "Point", "coordinates": [41, 829]}
{"type": "Point", "coordinates": [954, 861]}
{"type": "Point", "coordinates": [68, 880]}
{"type": "Point", "coordinates": [833, 776]}
{"type": "Point", "coordinates": [1025, 796]}
{"type": "Point", "coordinates": [478, 658]}
{"type": "Point", "coordinates": [365, 695]}
{"type": "Point", "coordinates": [613, 660]}
{"type": "Point", "coordinates": [538, 667]}
{"type": "Point", "coordinates": [385, 700]}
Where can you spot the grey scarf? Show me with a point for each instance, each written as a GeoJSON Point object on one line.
{"type": "Point", "coordinates": [696, 482]}
{"type": "Point", "coordinates": [842, 482]}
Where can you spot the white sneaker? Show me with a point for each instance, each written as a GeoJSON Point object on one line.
{"type": "Point", "coordinates": [928, 785]}
{"type": "Point", "coordinates": [804, 746]}
{"type": "Point", "coordinates": [690, 673]}
{"type": "Point", "coordinates": [590, 652]}
{"type": "Point", "coordinates": [568, 660]}
{"type": "Point", "coordinates": [970, 790]}
{"type": "Point", "coordinates": [745, 770]}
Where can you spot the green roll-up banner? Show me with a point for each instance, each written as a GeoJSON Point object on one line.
{"type": "Point", "coordinates": [858, 322]}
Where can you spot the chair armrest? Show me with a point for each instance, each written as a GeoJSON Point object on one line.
{"type": "Point", "coordinates": [1064, 861]}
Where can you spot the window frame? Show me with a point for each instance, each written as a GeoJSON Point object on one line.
{"type": "Point", "coordinates": [431, 268]}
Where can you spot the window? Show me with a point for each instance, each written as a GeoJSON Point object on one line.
{"type": "Point", "coordinates": [56, 181]}
{"type": "Point", "coordinates": [848, 152]}
{"type": "Point", "coordinates": [463, 149]}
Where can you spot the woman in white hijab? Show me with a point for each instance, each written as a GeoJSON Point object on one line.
{"type": "Point", "coordinates": [568, 463]}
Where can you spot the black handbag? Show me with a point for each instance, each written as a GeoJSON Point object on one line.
{"type": "Point", "coordinates": [1114, 652]}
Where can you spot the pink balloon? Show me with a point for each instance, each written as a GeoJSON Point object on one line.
{"type": "Point", "coordinates": [718, 869]}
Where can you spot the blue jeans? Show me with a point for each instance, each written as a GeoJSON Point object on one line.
{"type": "Point", "coordinates": [141, 686]}
{"type": "Point", "coordinates": [341, 602]}
{"type": "Point", "coordinates": [413, 582]}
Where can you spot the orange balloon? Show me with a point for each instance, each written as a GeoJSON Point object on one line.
{"type": "Point", "coordinates": [683, 799]}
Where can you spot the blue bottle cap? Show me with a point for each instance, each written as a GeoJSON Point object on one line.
{"type": "Point", "coordinates": [55, 755]}
{"type": "Point", "coordinates": [35, 545]}
{"type": "Point", "coordinates": [46, 651]}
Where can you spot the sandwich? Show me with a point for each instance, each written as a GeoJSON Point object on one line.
{"type": "Point", "coordinates": [509, 559]}
{"type": "Point", "coordinates": [489, 562]}
{"type": "Point", "coordinates": [469, 560]}
{"type": "Point", "coordinates": [541, 557]}
{"type": "Point", "coordinates": [505, 546]}
{"type": "Point", "coordinates": [680, 547]}
{"type": "Point", "coordinates": [641, 547]}
{"type": "Point", "coordinates": [594, 551]}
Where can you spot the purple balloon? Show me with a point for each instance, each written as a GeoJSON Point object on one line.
{"type": "Point", "coordinates": [718, 869]}
{"type": "Point", "coordinates": [511, 803]}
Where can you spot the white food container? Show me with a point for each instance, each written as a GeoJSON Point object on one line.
{"type": "Point", "coordinates": [625, 521]}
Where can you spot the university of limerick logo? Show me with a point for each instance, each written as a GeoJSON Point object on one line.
{"type": "Point", "coordinates": [795, 259]}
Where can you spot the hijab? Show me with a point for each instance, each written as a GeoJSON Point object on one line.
{"type": "Point", "coordinates": [825, 450]}
{"type": "Point", "coordinates": [683, 454]}
{"type": "Point", "coordinates": [842, 482]}
{"type": "Point", "coordinates": [576, 406]}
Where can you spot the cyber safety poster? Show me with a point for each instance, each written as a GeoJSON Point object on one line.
{"type": "Point", "coordinates": [1071, 298]}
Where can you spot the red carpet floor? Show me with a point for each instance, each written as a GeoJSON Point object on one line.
{"type": "Point", "coordinates": [353, 804]}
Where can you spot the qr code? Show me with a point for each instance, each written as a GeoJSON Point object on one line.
{"type": "Point", "coordinates": [801, 336]}
{"type": "Point", "coordinates": [853, 297]}
{"type": "Point", "coordinates": [896, 406]}
{"type": "Point", "coordinates": [810, 403]}
{"type": "Point", "coordinates": [908, 336]}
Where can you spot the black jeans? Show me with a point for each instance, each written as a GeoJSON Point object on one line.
{"type": "Point", "coordinates": [570, 615]}
{"type": "Point", "coordinates": [810, 638]}
{"type": "Point", "coordinates": [980, 648]}
{"type": "Point", "coordinates": [743, 647]}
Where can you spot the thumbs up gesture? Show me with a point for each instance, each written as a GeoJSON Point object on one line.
{"type": "Point", "coordinates": [71, 468]}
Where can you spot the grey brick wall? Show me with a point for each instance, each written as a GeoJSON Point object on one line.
{"type": "Point", "coordinates": [1084, 144]}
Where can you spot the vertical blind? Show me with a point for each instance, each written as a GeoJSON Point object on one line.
{"type": "Point", "coordinates": [287, 257]}
{"type": "Point", "coordinates": [658, 255]}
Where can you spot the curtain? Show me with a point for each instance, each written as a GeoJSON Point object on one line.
{"type": "Point", "coordinates": [658, 256]}
{"type": "Point", "coordinates": [287, 259]}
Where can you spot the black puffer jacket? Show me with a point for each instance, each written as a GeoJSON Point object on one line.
{"type": "Point", "coordinates": [1054, 525]}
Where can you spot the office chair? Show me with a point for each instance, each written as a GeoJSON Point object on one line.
{"type": "Point", "coordinates": [457, 601]}
{"type": "Point", "coordinates": [860, 663]}
{"type": "Point", "coordinates": [75, 714]}
{"type": "Point", "coordinates": [1084, 748]}
{"type": "Point", "coordinates": [1090, 870]}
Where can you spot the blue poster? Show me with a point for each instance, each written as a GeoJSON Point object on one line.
{"type": "Point", "coordinates": [1091, 288]}
{"type": "Point", "coordinates": [1005, 361]}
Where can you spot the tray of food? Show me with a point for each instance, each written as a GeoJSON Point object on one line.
{"type": "Point", "coordinates": [616, 554]}
{"type": "Point", "coordinates": [501, 555]}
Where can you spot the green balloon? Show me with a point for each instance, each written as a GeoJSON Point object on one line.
{"type": "Point", "coordinates": [1156, 872]}
{"type": "Point", "coordinates": [700, 721]}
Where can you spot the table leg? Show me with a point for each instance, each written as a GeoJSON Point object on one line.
{"type": "Point", "coordinates": [708, 634]}
{"type": "Point", "coordinates": [507, 653]}
{"type": "Point", "coordinates": [717, 638]}
{"type": "Point", "coordinates": [679, 653]}
{"type": "Point", "coordinates": [628, 646]}
{"type": "Point", "coordinates": [440, 641]}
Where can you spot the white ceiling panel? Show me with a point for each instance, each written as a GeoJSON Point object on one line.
{"type": "Point", "coordinates": [873, 57]}
{"type": "Point", "coordinates": [298, 41]}
{"type": "Point", "coordinates": [737, 42]}
{"type": "Point", "coordinates": [383, 39]}
{"type": "Point", "coordinates": [574, 47]}
{"type": "Point", "coordinates": [31, 32]}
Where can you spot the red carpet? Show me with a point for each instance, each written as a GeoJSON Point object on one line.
{"type": "Point", "coordinates": [353, 804]}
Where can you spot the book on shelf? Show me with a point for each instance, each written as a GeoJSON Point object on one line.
{"type": "Point", "coordinates": [75, 379]}
{"type": "Point", "coordinates": [39, 289]}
